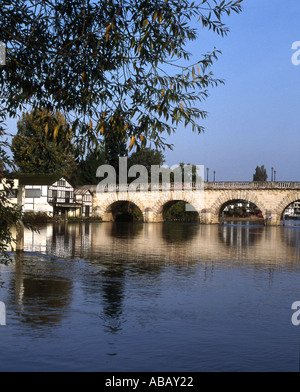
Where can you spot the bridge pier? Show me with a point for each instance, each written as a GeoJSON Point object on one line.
{"type": "Point", "coordinates": [107, 217]}
{"type": "Point", "coordinates": [151, 217]}
{"type": "Point", "coordinates": [207, 217]}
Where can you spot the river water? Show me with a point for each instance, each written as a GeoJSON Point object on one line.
{"type": "Point", "coordinates": [152, 297]}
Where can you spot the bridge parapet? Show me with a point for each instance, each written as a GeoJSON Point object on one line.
{"type": "Point", "coordinates": [218, 185]}
{"type": "Point", "coordinates": [252, 185]}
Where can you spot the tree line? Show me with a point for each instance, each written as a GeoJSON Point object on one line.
{"type": "Point", "coordinates": [44, 144]}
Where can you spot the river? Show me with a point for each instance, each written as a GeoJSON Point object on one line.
{"type": "Point", "coordinates": [112, 297]}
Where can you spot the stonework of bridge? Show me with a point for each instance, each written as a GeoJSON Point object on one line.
{"type": "Point", "coordinates": [271, 198]}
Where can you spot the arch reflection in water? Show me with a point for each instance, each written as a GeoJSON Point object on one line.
{"type": "Point", "coordinates": [238, 235]}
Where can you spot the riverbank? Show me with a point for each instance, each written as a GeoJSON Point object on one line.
{"type": "Point", "coordinates": [246, 219]}
{"type": "Point", "coordinates": [41, 218]}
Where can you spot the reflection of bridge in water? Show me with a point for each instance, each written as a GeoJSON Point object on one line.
{"type": "Point", "coordinates": [271, 198]}
{"type": "Point", "coordinates": [174, 243]}
{"type": "Point", "coordinates": [101, 255]}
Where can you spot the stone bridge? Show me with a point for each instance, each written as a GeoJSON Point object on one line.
{"type": "Point", "coordinates": [271, 198]}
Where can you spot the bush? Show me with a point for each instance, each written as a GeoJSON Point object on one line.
{"type": "Point", "coordinates": [36, 218]}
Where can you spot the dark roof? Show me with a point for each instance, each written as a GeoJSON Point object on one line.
{"type": "Point", "coordinates": [91, 188]}
{"type": "Point", "coordinates": [82, 191]}
{"type": "Point", "coordinates": [37, 179]}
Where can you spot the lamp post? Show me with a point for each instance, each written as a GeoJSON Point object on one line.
{"type": "Point", "coordinates": [272, 173]}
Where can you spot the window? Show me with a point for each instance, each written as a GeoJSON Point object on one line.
{"type": "Point", "coordinates": [33, 193]}
{"type": "Point", "coordinates": [61, 183]}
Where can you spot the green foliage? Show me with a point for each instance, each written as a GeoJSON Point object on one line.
{"type": "Point", "coordinates": [146, 157]}
{"type": "Point", "coordinates": [86, 170]}
{"type": "Point", "coordinates": [260, 174]}
{"type": "Point", "coordinates": [10, 216]}
{"type": "Point", "coordinates": [85, 173]}
{"type": "Point", "coordinates": [103, 61]}
{"type": "Point", "coordinates": [114, 147]}
{"type": "Point", "coordinates": [115, 67]}
{"type": "Point", "coordinates": [129, 212]}
{"type": "Point", "coordinates": [177, 212]}
{"type": "Point", "coordinates": [43, 144]}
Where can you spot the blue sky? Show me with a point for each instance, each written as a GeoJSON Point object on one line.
{"type": "Point", "coordinates": [253, 119]}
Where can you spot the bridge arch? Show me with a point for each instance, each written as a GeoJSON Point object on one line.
{"type": "Point", "coordinates": [228, 198]}
{"type": "Point", "coordinates": [129, 209]}
{"type": "Point", "coordinates": [287, 201]}
{"type": "Point", "coordinates": [239, 209]}
{"type": "Point", "coordinates": [163, 206]}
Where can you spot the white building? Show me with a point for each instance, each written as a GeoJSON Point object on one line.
{"type": "Point", "coordinates": [51, 194]}
{"type": "Point", "coordinates": [85, 197]}
{"type": "Point", "coordinates": [33, 193]}
{"type": "Point", "coordinates": [293, 210]}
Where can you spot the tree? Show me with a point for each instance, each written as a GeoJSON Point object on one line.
{"type": "Point", "coordinates": [260, 174]}
{"type": "Point", "coordinates": [86, 170]}
{"type": "Point", "coordinates": [146, 157]}
{"type": "Point", "coordinates": [10, 214]}
{"type": "Point", "coordinates": [43, 144]}
{"type": "Point", "coordinates": [177, 212]}
{"type": "Point", "coordinates": [85, 173]}
{"type": "Point", "coordinates": [114, 147]}
{"type": "Point", "coordinates": [102, 61]}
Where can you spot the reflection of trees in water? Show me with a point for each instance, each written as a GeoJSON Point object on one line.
{"type": "Point", "coordinates": [178, 233]}
{"type": "Point", "coordinates": [174, 243]}
{"type": "Point", "coordinates": [41, 294]}
{"type": "Point", "coordinates": [113, 295]}
{"type": "Point", "coordinates": [240, 235]}
{"type": "Point", "coordinates": [45, 300]}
